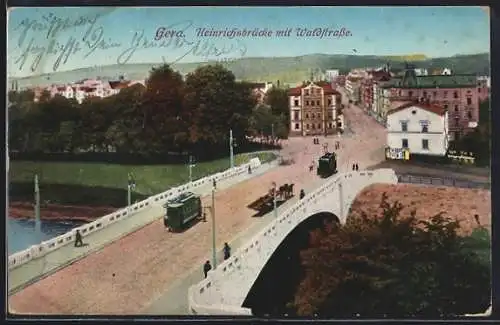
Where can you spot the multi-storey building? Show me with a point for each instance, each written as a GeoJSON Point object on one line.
{"type": "Point", "coordinates": [314, 110]}
{"type": "Point", "coordinates": [458, 94]}
{"type": "Point", "coordinates": [352, 87]}
{"type": "Point", "coordinates": [420, 127]}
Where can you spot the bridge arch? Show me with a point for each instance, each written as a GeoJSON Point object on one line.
{"type": "Point", "coordinates": [275, 282]}
{"type": "Point", "coordinates": [226, 288]}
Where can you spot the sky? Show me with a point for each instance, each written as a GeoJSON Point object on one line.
{"type": "Point", "coordinates": [45, 40]}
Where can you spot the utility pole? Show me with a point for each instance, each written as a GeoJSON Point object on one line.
{"type": "Point", "coordinates": [231, 153]}
{"type": "Point", "coordinates": [275, 210]}
{"type": "Point", "coordinates": [214, 246]}
{"type": "Point", "coordinates": [38, 222]}
{"type": "Point", "coordinates": [190, 167]}
{"type": "Point", "coordinates": [130, 186]}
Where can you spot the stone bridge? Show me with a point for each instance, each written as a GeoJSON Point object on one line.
{"type": "Point", "coordinates": [224, 291]}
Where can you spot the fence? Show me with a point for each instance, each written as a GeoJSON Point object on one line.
{"type": "Point", "coordinates": [48, 246]}
{"type": "Point", "coordinates": [439, 181]}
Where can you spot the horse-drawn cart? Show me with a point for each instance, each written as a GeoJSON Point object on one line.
{"type": "Point", "coordinates": [265, 204]}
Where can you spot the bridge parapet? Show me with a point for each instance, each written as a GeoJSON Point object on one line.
{"type": "Point", "coordinates": [225, 289]}
{"type": "Point", "coordinates": [36, 251]}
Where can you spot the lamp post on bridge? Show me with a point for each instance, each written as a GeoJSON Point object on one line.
{"type": "Point", "coordinates": [275, 210]}
{"type": "Point", "coordinates": [231, 147]}
{"type": "Point", "coordinates": [214, 246]}
{"type": "Point", "coordinates": [191, 164]}
{"type": "Point", "coordinates": [38, 225]}
{"type": "Point", "coordinates": [130, 187]}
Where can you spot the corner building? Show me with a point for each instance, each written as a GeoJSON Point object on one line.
{"type": "Point", "coordinates": [314, 110]}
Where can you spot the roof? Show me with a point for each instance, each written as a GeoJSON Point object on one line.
{"type": "Point", "coordinates": [327, 89]}
{"type": "Point", "coordinates": [441, 81]}
{"type": "Point", "coordinates": [257, 84]}
{"type": "Point", "coordinates": [177, 201]}
{"type": "Point", "coordinates": [118, 84]}
{"type": "Point", "coordinates": [436, 109]}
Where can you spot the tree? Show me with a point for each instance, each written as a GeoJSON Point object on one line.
{"type": "Point", "coordinates": [216, 103]}
{"type": "Point", "coordinates": [392, 266]}
{"type": "Point", "coordinates": [125, 132]}
{"type": "Point", "coordinates": [277, 99]}
{"type": "Point", "coordinates": [163, 119]}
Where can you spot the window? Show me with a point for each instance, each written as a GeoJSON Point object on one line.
{"type": "Point", "coordinates": [329, 101]}
{"type": "Point", "coordinates": [455, 94]}
{"type": "Point", "coordinates": [307, 103]}
{"type": "Point", "coordinates": [295, 115]}
{"type": "Point", "coordinates": [410, 93]}
{"type": "Point", "coordinates": [425, 128]}
{"type": "Point", "coordinates": [319, 125]}
{"type": "Point", "coordinates": [317, 103]}
{"type": "Point", "coordinates": [330, 115]}
{"type": "Point", "coordinates": [404, 143]}
{"type": "Point", "coordinates": [400, 93]}
{"type": "Point", "coordinates": [414, 112]}
{"type": "Point", "coordinates": [456, 108]}
{"type": "Point", "coordinates": [306, 92]}
{"type": "Point", "coordinates": [425, 94]}
{"type": "Point", "coordinates": [445, 106]}
{"type": "Point", "coordinates": [457, 121]}
{"type": "Point", "coordinates": [479, 90]}
{"type": "Point", "coordinates": [313, 115]}
{"type": "Point", "coordinates": [307, 115]}
{"type": "Point", "coordinates": [404, 126]}
{"type": "Point", "coordinates": [313, 126]}
{"type": "Point", "coordinates": [296, 102]}
{"type": "Point", "coordinates": [307, 126]}
{"type": "Point", "coordinates": [425, 144]}
{"type": "Point", "coordinates": [469, 101]}
{"type": "Point", "coordinates": [296, 126]}
{"type": "Point", "coordinates": [435, 93]}
{"type": "Point", "coordinates": [445, 93]}
{"type": "Point", "coordinates": [469, 115]}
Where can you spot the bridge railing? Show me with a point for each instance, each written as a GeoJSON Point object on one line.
{"type": "Point", "coordinates": [36, 251]}
{"type": "Point", "coordinates": [205, 300]}
{"type": "Point", "coordinates": [441, 181]}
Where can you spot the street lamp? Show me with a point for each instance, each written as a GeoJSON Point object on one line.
{"type": "Point", "coordinates": [214, 252]}
{"type": "Point", "coordinates": [190, 167]}
{"type": "Point", "coordinates": [130, 187]}
{"type": "Point", "coordinates": [38, 225]}
{"type": "Point", "coordinates": [275, 210]}
{"type": "Point", "coordinates": [231, 153]}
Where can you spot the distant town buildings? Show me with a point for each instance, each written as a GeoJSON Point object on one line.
{"type": "Point", "coordinates": [260, 89]}
{"type": "Point", "coordinates": [314, 110]}
{"type": "Point", "coordinates": [331, 74]}
{"type": "Point", "coordinates": [421, 72]}
{"type": "Point", "coordinates": [420, 127]}
{"type": "Point", "coordinates": [82, 89]}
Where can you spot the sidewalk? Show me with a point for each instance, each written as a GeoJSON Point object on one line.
{"type": "Point", "coordinates": [36, 269]}
{"type": "Point", "coordinates": [175, 301]}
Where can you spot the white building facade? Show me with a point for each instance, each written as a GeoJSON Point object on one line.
{"type": "Point", "coordinates": [420, 127]}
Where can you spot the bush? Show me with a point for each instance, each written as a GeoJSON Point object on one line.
{"type": "Point", "coordinates": [394, 267]}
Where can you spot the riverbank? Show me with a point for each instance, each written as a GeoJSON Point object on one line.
{"type": "Point", "coordinates": [57, 212]}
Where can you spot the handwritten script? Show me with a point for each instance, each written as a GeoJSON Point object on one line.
{"type": "Point", "coordinates": [38, 40]}
{"type": "Point", "coordinates": [41, 40]}
{"type": "Point", "coordinates": [178, 41]}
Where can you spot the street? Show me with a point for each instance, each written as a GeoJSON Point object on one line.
{"type": "Point", "coordinates": [127, 276]}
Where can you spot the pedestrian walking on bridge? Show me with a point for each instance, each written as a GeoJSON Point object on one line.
{"type": "Point", "coordinates": [302, 194]}
{"type": "Point", "coordinates": [227, 251]}
{"type": "Point", "coordinates": [78, 239]}
{"type": "Point", "coordinates": [207, 267]}
{"type": "Point", "coordinates": [249, 169]}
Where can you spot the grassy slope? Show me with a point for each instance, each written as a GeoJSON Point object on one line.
{"type": "Point", "coordinates": [286, 69]}
{"type": "Point", "coordinates": [149, 179]}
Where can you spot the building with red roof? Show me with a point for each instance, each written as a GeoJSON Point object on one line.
{"type": "Point", "coordinates": [314, 110]}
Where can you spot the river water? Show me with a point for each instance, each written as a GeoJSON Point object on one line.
{"type": "Point", "coordinates": [21, 233]}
